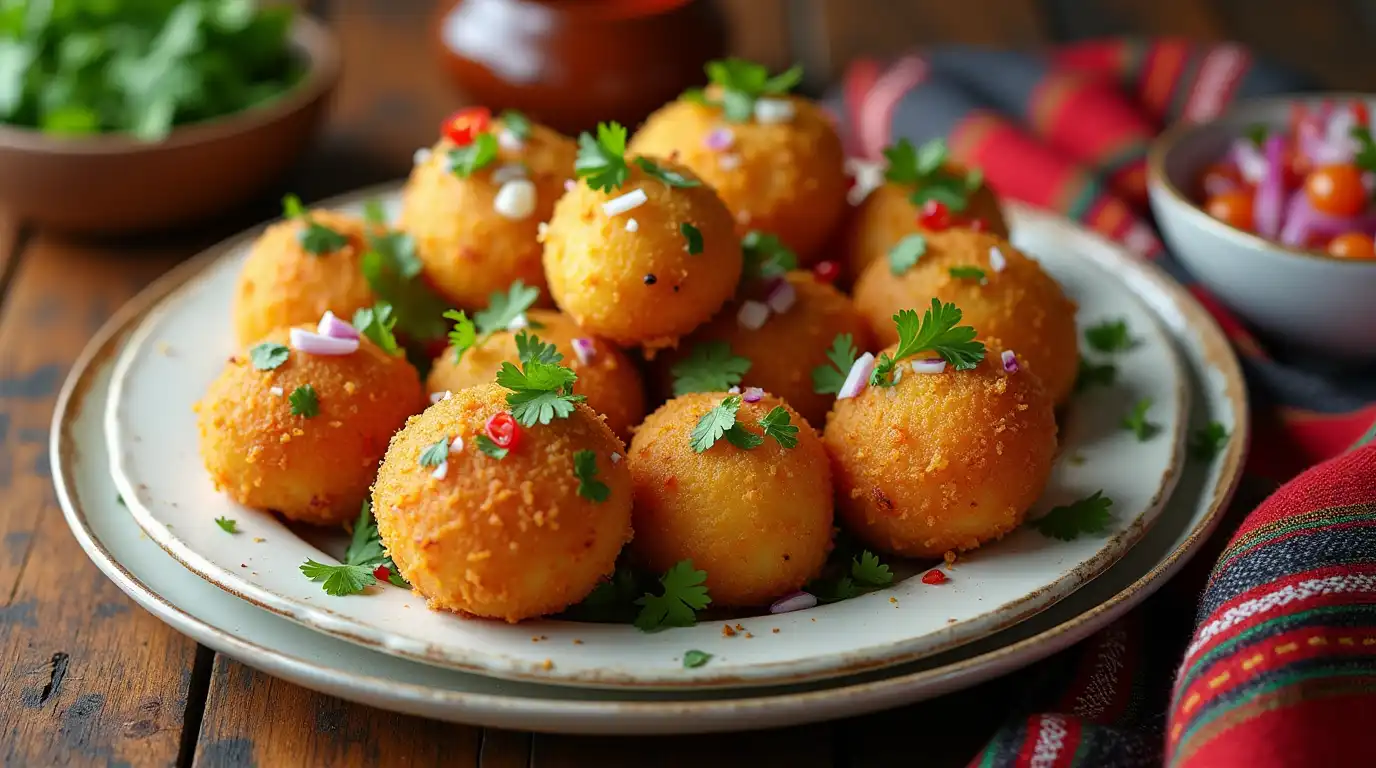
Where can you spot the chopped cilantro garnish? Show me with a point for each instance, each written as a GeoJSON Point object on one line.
{"type": "Point", "coordinates": [339, 580]}
{"type": "Point", "coordinates": [529, 347]}
{"type": "Point", "coordinates": [227, 525]}
{"type": "Point", "coordinates": [967, 273]}
{"type": "Point", "coordinates": [292, 207]}
{"type": "Point", "coordinates": [866, 574]}
{"type": "Point", "coordinates": [715, 423]}
{"type": "Point", "coordinates": [392, 269]}
{"type": "Point", "coordinates": [742, 83]}
{"type": "Point", "coordinates": [684, 594]}
{"type": "Point", "coordinates": [601, 161]}
{"type": "Point", "coordinates": [468, 160]}
{"type": "Point", "coordinates": [692, 238]}
{"type": "Point", "coordinates": [1208, 440]}
{"type": "Point", "coordinates": [670, 177]}
{"type": "Point", "coordinates": [376, 323]}
{"type": "Point", "coordinates": [1256, 133]}
{"type": "Point", "coordinates": [540, 391]}
{"type": "Point", "coordinates": [503, 308]}
{"type": "Point", "coordinates": [1110, 336]}
{"type": "Point", "coordinates": [436, 453]}
{"type": "Point", "coordinates": [268, 355]}
{"type": "Point", "coordinates": [585, 469]}
{"type": "Point", "coordinates": [1366, 148]}
{"type": "Point", "coordinates": [319, 240]}
{"type": "Point", "coordinates": [365, 547]}
{"type": "Point", "coordinates": [490, 448]}
{"type": "Point", "coordinates": [776, 425]}
{"type": "Point", "coordinates": [304, 401]}
{"type": "Point", "coordinates": [694, 659]}
{"type": "Point", "coordinates": [869, 572]}
{"type": "Point", "coordinates": [925, 168]}
{"type": "Point", "coordinates": [1088, 515]}
{"type": "Point", "coordinates": [828, 379]}
{"type": "Point", "coordinates": [464, 334]}
{"type": "Point", "coordinates": [1136, 422]}
{"type": "Point", "coordinates": [938, 331]}
{"type": "Point", "coordinates": [611, 600]}
{"type": "Point", "coordinates": [709, 367]}
{"type": "Point", "coordinates": [374, 213]}
{"type": "Point", "coordinates": [766, 256]}
{"type": "Point", "coordinates": [905, 253]}
{"type": "Point", "coordinates": [1095, 374]}
{"type": "Point", "coordinates": [515, 122]}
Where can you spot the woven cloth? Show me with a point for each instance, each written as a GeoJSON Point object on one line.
{"type": "Point", "coordinates": [1281, 666]}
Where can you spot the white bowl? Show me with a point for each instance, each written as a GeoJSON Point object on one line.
{"type": "Point", "coordinates": [1301, 297]}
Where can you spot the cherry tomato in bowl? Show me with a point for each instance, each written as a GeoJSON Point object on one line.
{"type": "Point", "coordinates": [1232, 208]}
{"type": "Point", "coordinates": [1336, 190]}
{"type": "Point", "coordinates": [1352, 245]}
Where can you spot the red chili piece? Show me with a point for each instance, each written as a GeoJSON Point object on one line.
{"type": "Point", "coordinates": [504, 430]}
{"type": "Point", "coordinates": [934, 576]}
{"type": "Point", "coordinates": [827, 271]}
{"type": "Point", "coordinates": [1361, 114]}
{"type": "Point", "coordinates": [935, 216]}
{"type": "Point", "coordinates": [462, 126]}
{"type": "Point", "coordinates": [382, 573]}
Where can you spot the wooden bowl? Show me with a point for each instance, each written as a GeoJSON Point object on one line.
{"type": "Point", "coordinates": [117, 184]}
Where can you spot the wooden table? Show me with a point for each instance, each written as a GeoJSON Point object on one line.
{"type": "Point", "coordinates": [90, 679]}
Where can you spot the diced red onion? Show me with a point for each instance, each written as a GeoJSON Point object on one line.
{"type": "Point", "coordinates": [752, 395]}
{"type": "Point", "coordinates": [1010, 361]}
{"type": "Point", "coordinates": [510, 141]}
{"type": "Point", "coordinates": [1270, 197]}
{"type": "Point", "coordinates": [569, 185]}
{"type": "Point", "coordinates": [623, 203]}
{"type": "Point", "coordinates": [858, 377]}
{"type": "Point", "coordinates": [276, 391]}
{"type": "Point", "coordinates": [1249, 160]}
{"type": "Point", "coordinates": [584, 350]}
{"type": "Point", "coordinates": [632, 225]}
{"type": "Point", "coordinates": [770, 111]}
{"type": "Point", "coordinates": [752, 315]}
{"type": "Point", "coordinates": [782, 297]}
{"type": "Point", "coordinates": [332, 326]}
{"type": "Point", "coordinates": [441, 471]}
{"type": "Point", "coordinates": [456, 445]}
{"type": "Point", "coordinates": [729, 162]}
{"type": "Point", "coordinates": [616, 458]}
{"type": "Point", "coordinates": [798, 601]}
{"type": "Point", "coordinates": [719, 139]}
{"type": "Point", "coordinates": [929, 365]}
{"type": "Point", "coordinates": [319, 344]}
{"type": "Point", "coordinates": [436, 397]}
{"type": "Point", "coordinates": [518, 322]}
{"type": "Point", "coordinates": [997, 261]}
{"type": "Point", "coordinates": [734, 390]}
{"type": "Point", "coordinates": [1303, 222]}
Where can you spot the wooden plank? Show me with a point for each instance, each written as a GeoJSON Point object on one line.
{"type": "Point", "coordinates": [88, 679]}
{"type": "Point", "coordinates": [254, 719]}
{"type": "Point", "coordinates": [504, 749]}
{"type": "Point", "coordinates": [806, 747]}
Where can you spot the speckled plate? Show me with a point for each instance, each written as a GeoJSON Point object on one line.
{"type": "Point", "coordinates": [180, 347]}
{"type": "Point", "coordinates": [117, 545]}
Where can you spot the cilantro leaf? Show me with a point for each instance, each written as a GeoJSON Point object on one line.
{"type": "Point", "coordinates": [967, 273]}
{"type": "Point", "coordinates": [319, 240]}
{"type": "Point", "coordinates": [684, 594]}
{"type": "Point", "coordinates": [227, 525]}
{"type": "Point", "coordinates": [743, 82]}
{"type": "Point", "coordinates": [1110, 336]}
{"type": "Point", "coordinates": [490, 448]}
{"type": "Point", "coordinates": [435, 454]}
{"type": "Point", "coordinates": [601, 161]}
{"type": "Point", "coordinates": [304, 402]}
{"type": "Point", "coordinates": [868, 571]}
{"type": "Point", "coordinates": [392, 269]}
{"type": "Point", "coordinates": [1095, 374]}
{"type": "Point", "coordinates": [376, 323]}
{"type": "Point", "coordinates": [268, 355]}
{"type": "Point", "coordinates": [670, 177]}
{"type": "Point", "coordinates": [709, 367]}
{"type": "Point", "coordinates": [503, 308]}
{"type": "Point", "coordinates": [339, 580]}
{"type": "Point", "coordinates": [776, 425]}
{"type": "Point", "coordinates": [292, 207]}
{"type": "Point", "coordinates": [766, 256]}
{"type": "Point", "coordinates": [1206, 442]}
{"type": "Point", "coordinates": [529, 347]}
{"type": "Point", "coordinates": [365, 547]}
{"type": "Point", "coordinates": [938, 331]}
{"type": "Point", "coordinates": [515, 122]}
{"type": "Point", "coordinates": [1088, 515]}
{"type": "Point", "coordinates": [828, 379]}
{"type": "Point", "coordinates": [540, 392]}
{"type": "Point", "coordinates": [924, 168]}
{"type": "Point", "coordinates": [585, 469]}
{"type": "Point", "coordinates": [692, 238]}
{"type": "Point", "coordinates": [715, 423]}
{"type": "Point", "coordinates": [835, 591]}
{"type": "Point", "coordinates": [463, 336]}
{"type": "Point", "coordinates": [743, 438]}
{"type": "Point", "coordinates": [1136, 422]}
{"type": "Point", "coordinates": [1366, 148]}
{"type": "Point", "coordinates": [374, 213]}
{"type": "Point", "coordinates": [468, 160]}
{"type": "Point", "coordinates": [612, 599]}
{"type": "Point", "coordinates": [694, 659]}
{"type": "Point", "coordinates": [905, 253]}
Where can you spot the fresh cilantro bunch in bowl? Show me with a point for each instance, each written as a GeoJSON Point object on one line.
{"type": "Point", "coordinates": [203, 102]}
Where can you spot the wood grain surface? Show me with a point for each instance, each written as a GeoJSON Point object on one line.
{"type": "Point", "coordinates": [90, 679]}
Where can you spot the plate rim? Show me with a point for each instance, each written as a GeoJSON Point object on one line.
{"type": "Point", "coordinates": [1209, 339]}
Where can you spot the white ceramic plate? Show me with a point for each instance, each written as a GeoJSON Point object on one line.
{"type": "Point", "coordinates": [280, 647]}
{"type": "Point", "coordinates": [180, 348]}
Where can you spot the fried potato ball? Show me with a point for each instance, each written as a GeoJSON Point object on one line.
{"type": "Point", "coordinates": [787, 178]}
{"type": "Point", "coordinates": [314, 467]}
{"type": "Point", "coordinates": [887, 216]}
{"type": "Point", "coordinates": [510, 538]}
{"type": "Point", "coordinates": [630, 277]}
{"type": "Point", "coordinates": [1020, 308]}
{"type": "Point", "coordinates": [477, 235]}
{"type": "Point", "coordinates": [758, 521]}
{"type": "Point", "coordinates": [609, 378]}
{"type": "Point", "coordinates": [785, 350]}
{"type": "Point", "coordinates": [282, 284]}
{"type": "Point", "coordinates": [941, 462]}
